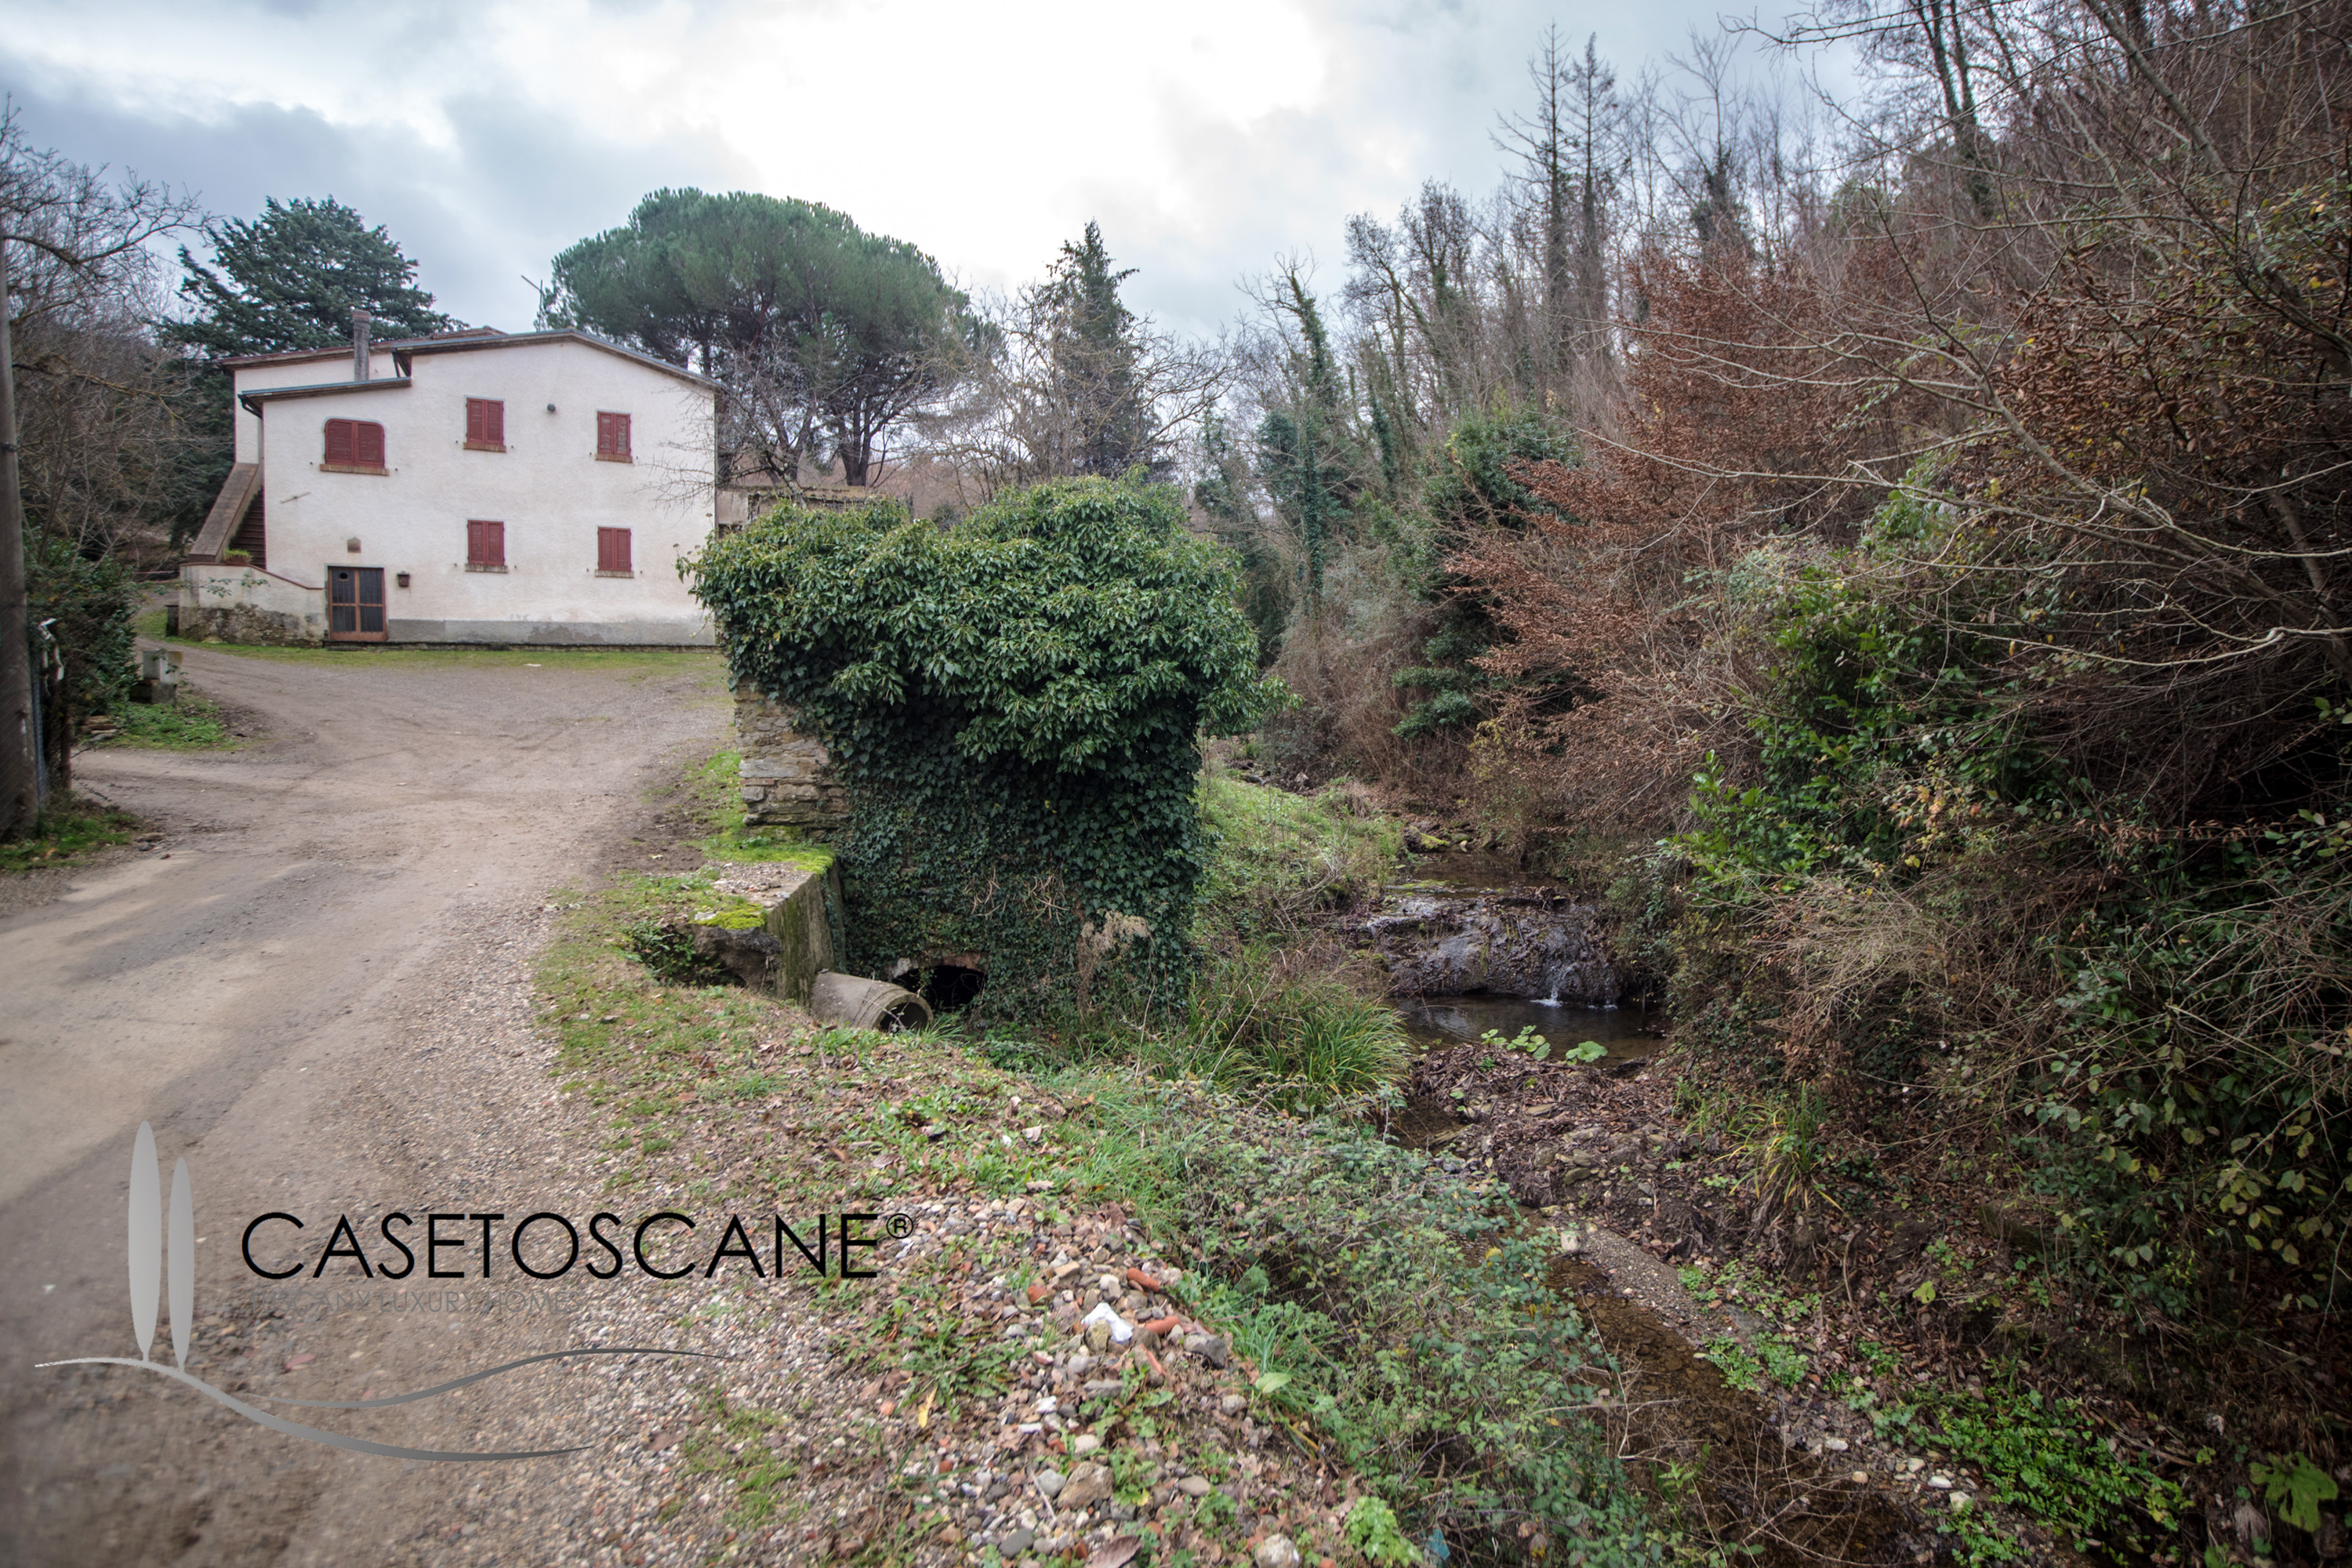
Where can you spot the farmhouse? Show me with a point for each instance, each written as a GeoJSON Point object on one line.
{"type": "Point", "coordinates": [471, 487]}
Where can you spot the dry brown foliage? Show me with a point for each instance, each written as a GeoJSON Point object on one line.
{"type": "Point", "coordinates": [1741, 420]}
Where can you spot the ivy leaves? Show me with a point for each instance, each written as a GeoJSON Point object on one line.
{"type": "Point", "coordinates": [1067, 626]}
{"type": "Point", "coordinates": [1014, 704]}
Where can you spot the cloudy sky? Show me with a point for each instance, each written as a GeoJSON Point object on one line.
{"type": "Point", "coordinates": [1207, 137]}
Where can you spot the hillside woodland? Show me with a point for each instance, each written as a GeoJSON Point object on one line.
{"type": "Point", "coordinates": [1899, 552]}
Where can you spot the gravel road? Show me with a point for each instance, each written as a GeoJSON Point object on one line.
{"type": "Point", "coordinates": [317, 989]}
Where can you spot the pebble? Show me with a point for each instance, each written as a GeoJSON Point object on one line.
{"type": "Point", "coordinates": [1085, 1443]}
{"type": "Point", "coordinates": [1862, 1478]}
{"type": "Point", "coordinates": [1088, 1484]}
{"type": "Point", "coordinates": [1961, 1501]}
{"type": "Point", "coordinates": [1835, 1445]}
{"type": "Point", "coordinates": [1941, 1483]}
{"type": "Point", "coordinates": [1234, 1404]}
{"type": "Point", "coordinates": [1049, 1483]}
{"type": "Point", "coordinates": [1276, 1552]}
{"type": "Point", "coordinates": [1194, 1486]}
{"type": "Point", "coordinates": [1016, 1543]}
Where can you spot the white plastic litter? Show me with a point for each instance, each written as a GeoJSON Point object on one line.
{"type": "Point", "coordinates": [1121, 1330]}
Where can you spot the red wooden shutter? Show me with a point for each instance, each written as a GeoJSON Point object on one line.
{"type": "Point", "coordinates": [486, 421]}
{"type": "Point", "coordinates": [612, 435]}
{"type": "Point", "coordinates": [367, 445]}
{"type": "Point", "coordinates": [621, 436]}
{"type": "Point", "coordinates": [339, 442]}
{"type": "Point", "coordinates": [486, 544]}
{"type": "Point", "coordinates": [475, 544]}
{"type": "Point", "coordinates": [612, 550]}
{"type": "Point", "coordinates": [603, 435]}
{"type": "Point", "coordinates": [496, 534]}
{"type": "Point", "coordinates": [495, 421]}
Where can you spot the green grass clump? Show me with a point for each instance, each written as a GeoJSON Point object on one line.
{"type": "Point", "coordinates": [1284, 1027]}
{"type": "Point", "coordinates": [1276, 856]}
{"type": "Point", "coordinates": [191, 724]}
{"type": "Point", "coordinates": [65, 834]}
{"type": "Point", "coordinates": [1291, 1023]}
{"type": "Point", "coordinates": [717, 787]}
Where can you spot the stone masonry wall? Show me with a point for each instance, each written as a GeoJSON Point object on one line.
{"type": "Point", "coordinates": [248, 623]}
{"type": "Point", "coordinates": [787, 776]}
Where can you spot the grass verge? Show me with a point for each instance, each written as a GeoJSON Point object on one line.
{"type": "Point", "coordinates": [717, 786]}
{"type": "Point", "coordinates": [642, 660]}
{"type": "Point", "coordinates": [193, 723]}
{"type": "Point", "coordinates": [1277, 858]}
{"type": "Point", "coordinates": [1395, 1319]}
{"type": "Point", "coordinates": [65, 833]}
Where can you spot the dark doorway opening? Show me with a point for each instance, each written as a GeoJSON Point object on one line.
{"type": "Point", "coordinates": [951, 986]}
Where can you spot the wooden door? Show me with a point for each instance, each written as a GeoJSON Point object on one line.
{"type": "Point", "coordinates": [355, 603]}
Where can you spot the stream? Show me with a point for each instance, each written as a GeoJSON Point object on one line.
{"type": "Point", "coordinates": [1629, 1033]}
{"type": "Point", "coordinates": [1469, 946]}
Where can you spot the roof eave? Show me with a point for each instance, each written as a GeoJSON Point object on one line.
{"type": "Point", "coordinates": [260, 394]}
{"type": "Point", "coordinates": [555, 334]}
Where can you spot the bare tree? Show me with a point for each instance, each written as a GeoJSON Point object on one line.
{"type": "Point", "coordinates": [1572, 156]}
{"type": "Point", "coordinates": [77, 280]}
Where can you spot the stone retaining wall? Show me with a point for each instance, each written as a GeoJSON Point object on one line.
{"type": "Point", "coordinates": [787, 777]}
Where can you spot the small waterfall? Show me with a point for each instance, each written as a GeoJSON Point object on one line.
{"type": "Point", "coordinates": [1497, 941]}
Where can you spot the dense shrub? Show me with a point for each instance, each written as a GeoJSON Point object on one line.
{"type": "Point", "coordinates": [1014, 704]}
{"type": "Point", "coordinates": [1908, 882]}
{"type": "Point", "coordinates": [85, 663]}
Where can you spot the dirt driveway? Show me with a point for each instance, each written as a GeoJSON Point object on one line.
{"type": "Point", "coordinates": [316, 990]}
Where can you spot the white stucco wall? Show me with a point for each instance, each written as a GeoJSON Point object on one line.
{"type": "Point", "coordinates": [246, 604]}
{"type": "Point", "coordinates": [547, 488]}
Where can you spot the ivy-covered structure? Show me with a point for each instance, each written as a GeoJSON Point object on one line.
{"type": "Point", "coordinates": [1015, 707]}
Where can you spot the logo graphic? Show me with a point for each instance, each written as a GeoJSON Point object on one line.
{"type": "Point", "coordinates": [152, 1258]}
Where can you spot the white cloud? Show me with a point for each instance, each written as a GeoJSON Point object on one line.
{"type": "Point", "coordinates": [1206, 138]}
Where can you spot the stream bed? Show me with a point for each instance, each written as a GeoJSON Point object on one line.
{"type": "Point", "coordinates": [1781, 1474]}
{"type": "Point", "coordinates": [1629, 1033]}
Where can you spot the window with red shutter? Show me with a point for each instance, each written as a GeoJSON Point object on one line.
{"type": "Point", "coordinates": [485, 545]}
{"type": "Point", "coordinates": [486, 425]}
{"type": "Point", "coordinates": [612, 550]}
{"type": "Point", "coordinates": [355, 446]}
{"type": "Point", "coordinates": [613, 437]}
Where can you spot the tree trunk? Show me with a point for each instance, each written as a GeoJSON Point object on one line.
{"type": "Point", "coordinates": [19, 783]}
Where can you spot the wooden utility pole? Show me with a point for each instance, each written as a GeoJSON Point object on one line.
{"type": "Point", "coordinates": [19, 786]}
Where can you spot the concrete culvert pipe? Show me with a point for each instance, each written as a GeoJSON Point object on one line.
{"type": "Point", "coordinates": [866, 1004]}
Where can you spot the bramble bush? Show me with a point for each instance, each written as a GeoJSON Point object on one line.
{"type": "Point", "coordinates": [2150, 1014]}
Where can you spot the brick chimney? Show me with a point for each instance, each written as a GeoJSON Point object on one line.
{"type": "Point", "coordinates": [360, 319]}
